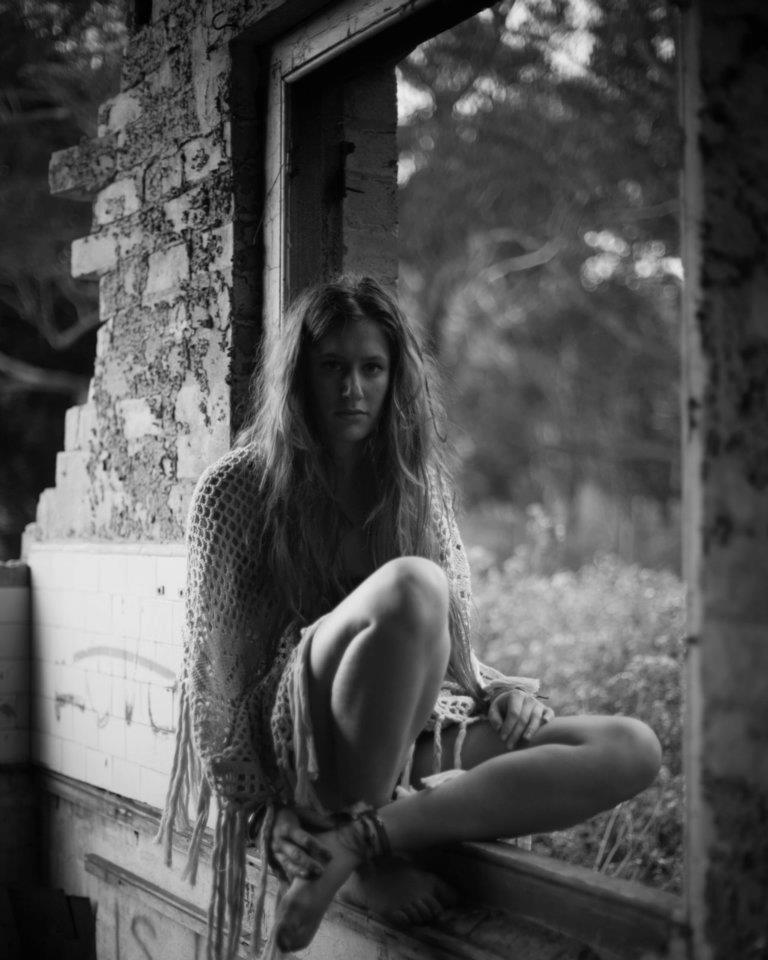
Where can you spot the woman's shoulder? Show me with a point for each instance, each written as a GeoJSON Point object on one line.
{"type": "Point", "coordinates": [233, 478]}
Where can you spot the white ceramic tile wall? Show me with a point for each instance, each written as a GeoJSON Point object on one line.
{"type": "Point", "coordinates": [107, 643]}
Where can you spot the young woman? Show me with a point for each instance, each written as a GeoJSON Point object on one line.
{"type": "Point", "coordinates": [327, 653]}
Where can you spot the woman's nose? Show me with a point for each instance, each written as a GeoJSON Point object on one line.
{"type": "Point", "coordinates": [350, 387]}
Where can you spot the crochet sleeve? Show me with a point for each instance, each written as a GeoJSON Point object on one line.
{"type": "Point", "coordinates": [221, 637]}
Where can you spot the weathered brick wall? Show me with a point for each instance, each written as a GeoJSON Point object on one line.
{"type": "Point", "coordinates": [727, 433]}
{"type": "Point", "coordinates": [159, 175]}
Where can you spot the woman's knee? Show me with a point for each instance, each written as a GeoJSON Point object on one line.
{"type": "Point", "coordinates": [634, 753]}
{"type": "Point", "coordinates": [415, 598]}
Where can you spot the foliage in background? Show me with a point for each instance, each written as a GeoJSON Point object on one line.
{"type": "Point", "coordinates": [540, 155]}
{"type": "Point", "coordinates": [58, 61]}
{"type": "Point", "coordinates": [607, 638]}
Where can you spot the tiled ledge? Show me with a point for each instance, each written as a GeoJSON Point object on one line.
{"type": "Point", "coordinates": [515, 904]}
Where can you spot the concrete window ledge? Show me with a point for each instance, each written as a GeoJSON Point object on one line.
{"type": "Point", "coordinates": [514, 904]}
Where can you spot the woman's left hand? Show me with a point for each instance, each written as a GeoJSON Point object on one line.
{"type": "Point", "coordinates": [516, 716]}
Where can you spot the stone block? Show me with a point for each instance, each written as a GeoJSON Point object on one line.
{"type": "Point", "coordinates": [167, 270]}
{"type": "Point", "coordinates": [210, 77]}
{"type": "Point", "coordinates": [93, 255]}
{"type": "Point", "coordinates": [163, 176]}
{"type": "Point", "coordinates": [120, 199]}
{"type": "Point", "coordinates": [79, 172]}
{"type": "Point", "coordinates": [79, 426]}
{"type": "Point", "coordinates": [117, 112]}
{"type": "Point", "coordinates": [71, 469]}
{"type": "Point", "coordinates": [145, 52]}
{"type": "Point", "coordinates": [201, 156]}
{"type": "Point", "coordinates": [131, 238]}
{"type": "Point", "coordinates": [169, 121]}
{"type": "Point", "coordinates": [219, 248]}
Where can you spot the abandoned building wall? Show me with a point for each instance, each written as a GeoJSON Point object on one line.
{"type": "Point", "coordinates": [728, 428]}
{"type": "Point", "coordinates": [160, 177]}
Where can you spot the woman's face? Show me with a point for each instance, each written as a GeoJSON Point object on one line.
{"type": "Point", "coordinates": [349, 372]}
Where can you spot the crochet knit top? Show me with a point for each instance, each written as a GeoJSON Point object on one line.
{"type": "Point", "coordinates": [235, 649]}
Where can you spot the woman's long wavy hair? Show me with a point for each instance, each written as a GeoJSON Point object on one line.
{"type": "Point", "coordinates": [302, 523]}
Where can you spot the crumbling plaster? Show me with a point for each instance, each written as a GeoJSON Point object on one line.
{"type": "Point", "coordinates": [159, 175]}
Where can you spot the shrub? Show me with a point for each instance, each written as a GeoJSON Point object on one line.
{"type": "Point", "coordinates": [607, 638]}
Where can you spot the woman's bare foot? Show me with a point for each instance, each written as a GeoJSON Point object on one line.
{"type": "Point", "coordinates": [305, 902]}
{"type": "Point", "coordinates": [398, 890]}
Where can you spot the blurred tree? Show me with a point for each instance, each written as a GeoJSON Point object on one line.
{"type": "Point", "coordinates": [58, 61]}
{"type": "Point", "coordinates": [539, 243]}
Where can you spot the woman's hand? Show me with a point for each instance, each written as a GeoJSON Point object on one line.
{"type": "Point", "coordinates": [294, 851]}
{"type": "Point", "coordinates": [516, 715]}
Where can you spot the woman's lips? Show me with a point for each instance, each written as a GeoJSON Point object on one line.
{"type": "Point", "coordinates": [351, 413]}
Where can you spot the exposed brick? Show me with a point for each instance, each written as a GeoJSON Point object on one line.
{"type": "Point", "coordinates": [206, 205]}
{"type": "Point", "coordinates": [93, 255]}
{"type": "Point", "coordinates": [210, 78]}
{"type": "Point", "coordinates": [130, 237]}
{"type": "Point", "coordinates": [79, 426]}
{"type": "Point", "coordinates": [144, 53]}
{"type": "Point", "coordinates": [117, 112]}
{"type": "Point", "coordinates": [79, 172]}
{"type": "Point", "coordinates": [118, 200]}
{"type": "Point", "coordinates": [201, 156]}
{"type": "Point", "coordinates": [172, 119]}
{"type": "Point", "coordinates": [163, 176]}
{"type": "Point", "coordinates": [168, 269]}
{"type": "Point", "coordinates": [71, 469]}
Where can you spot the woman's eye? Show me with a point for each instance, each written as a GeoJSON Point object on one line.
{"type": "Point", "coordinates": [373, 367]}
{"type": "Point", "coordinates": [330, 365]}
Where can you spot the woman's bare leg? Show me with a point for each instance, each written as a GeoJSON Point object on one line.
{"type": "Point", "coordinates": [572, 769]}
{"type": "Point", "coordinates": [376, 665]}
